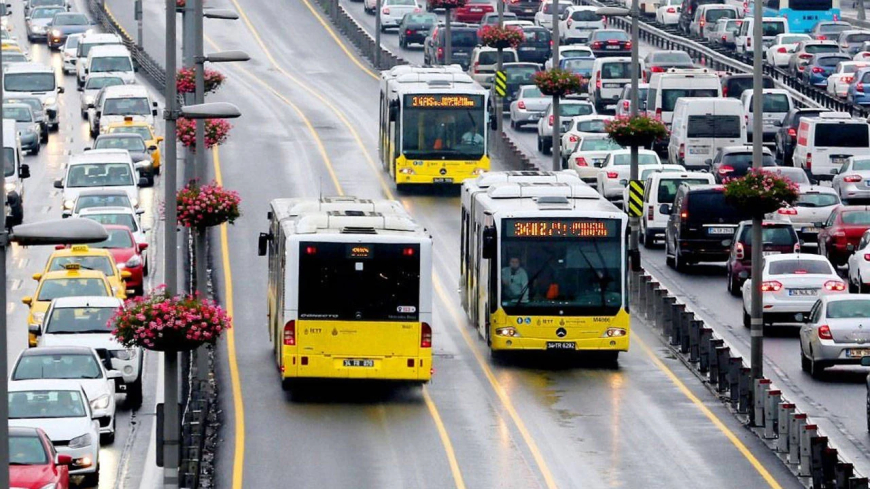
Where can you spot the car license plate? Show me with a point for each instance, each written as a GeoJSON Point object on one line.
{"type": "Point", "coordinates": [838, 161]}
{"type": "Point", "coordinates": [612, 85]}
{"type": "Point", "coordinates": [442, 180]}
{"type": "Point", "coordinates": [810, 230]}
{"type": "Point", "coordinates": [768, 253]}
{"type": "Point", "coordinates": [358, 362]}
{"type": "Point", "coordinates": [527, 48]}
{"type": "Point", "coordinates": [720, 231]}
{"type": "Point", "coordinates": [803, 292]}
{"type": "Point", "coordinates": [477, 10]}
{"type": "Point", "coordinates": [534, 116]}
{"type": "Point", "coordinates": [859, 352]}
{"type": "Point", "coordinates": [770, 122]}
{"type": "Point", "coordinates": [613, 47]}
{"type": "Point", "coordinates": [698, 150]}
{"type": "Point", "coordinates": [561, 345]}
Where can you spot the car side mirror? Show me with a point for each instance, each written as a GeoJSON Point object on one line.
{"type": "Point", "coordinates": [708, 162]}
{"type": "Point", "coordinates": [61, 90]}
{"type": "Point", "coordinates": [98, 114]}
{"type": "Point", "coordinates": [154, 112]}
{"type": "Point", "coordinates": [26, 300]}
{"type": "Point", "coordinates": [777, 123]}
{"type": "Point", "coordinates": [91, 106]}
{"type": "Point", "coordinates": [135, 69]}
{"type": "Point", "coordinates": [125, 275]}
{"type": "Point", "coordinates": [145, 229]}
{"type": "Point", "coordinates": [37, 276]}
{"type": "Point", "coordinates": [665, 209]}
{"type": "Point", "coordinates": [263, 243]}
{"type": "Point", "coordinates": [63, 459]}
{"type": "Point", "coordinates": [493, 121]}
{"type": "Point", "coordinates": [159, 139]}
{"type": "Point", "coordinates": [24, 171]}
{"type": "Point", "coordinates": [153, 147]}
{"type": "Point", "coordinates": [66, 213]}
{"type": "Point", "coordinates": [114, 374]}
{"type": "Point", "coordinates": [58, 183]}
{"type": "Point", "coordinates": [35, 329]}
{"type": "Point", "coordinates": [143, 182]}
{"type": "Point", "coordinates": [87, 70]}
{"type": "Point", "coordinates": [835, 171]}
{"type": "Point", "coordinates": [143, 246]}
{"type": "Point", "coordinates": [87, 148]}
{"type": "Point", "coordinates": [597, 164]}
{"type": "Point", "coordinates": [850, 248]}
{"type": "Point", "coordinates": [801, 318]}
{"type": "Point", "coordinates": [140, 211]}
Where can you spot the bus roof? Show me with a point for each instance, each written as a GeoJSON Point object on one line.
{"type": "Point", "coordinates": [401, 80]}
{"type": "Point", "coordinates": [540, 199]}
{"type": "Point", "coordinates": [345, 215]}
{"type": "Point", "coordinates": [289, 208]}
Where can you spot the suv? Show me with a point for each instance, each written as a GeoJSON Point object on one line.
{"type": "Point", "coordinates": [777, 237]}
{"type": "Point", "coordinates": [537, 45]}
{"type": "Point", "coordinates": [701, 225]}
{"type": "Point", "coordinates": [484, 61]}
{"type": "Point", "coordinates": [463, 43]}
{"type": "Point", "coordinates": [661, 188]}
{"type": "Point", "coordinates": [37, 79]}
{"type": "Point", "coordinates": [786, 136]}
{"type": "Point", "coordinates": [734, 85]}
{"type": "Point", "coordinates": [687, 12]}
{"type": "Point", "coordinates": [609, 77]}
{"type": "Point", "coordinates": [524, 9]}
{"type": "Point", "coordinates": [577, 24]}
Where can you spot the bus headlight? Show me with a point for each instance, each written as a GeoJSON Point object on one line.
{"type": "Point", "coordinates": [478, 171]}
{"type": "Point", "coordinates": [509, 331]}
{"type": "Point", "coordinates": [614, 333]}
{"type": "Point", "coordinates": [407, 171]}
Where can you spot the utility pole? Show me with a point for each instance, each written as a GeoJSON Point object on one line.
{"type": "Point", "coordinates": [138, 16]}
{"type": "Point", "coordinates": [557, 122]}
{"type": "Point", "coordinates": [757, 330]}
{"type": "Point", "coordinates": [378, 34]}
{"type": "Point", "coordinates": [187, 52]}
{"type": "Point", "coordinates": [448, 38]}
{"type": "Point", "coordinates": [499, 59]}
{"type": "Point", "coordinates": [862, 14]}
{"type": "Point", "coordinates": [634, 222]}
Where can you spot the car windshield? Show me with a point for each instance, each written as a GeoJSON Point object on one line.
{"type": "Point", "coordinates": [548, 7]}
{"type": "Point", "coordinates": [713, 126]}
{"type": "Point", "coordinates": [578, 65]}
{"type": "Point", "coordinates": [27, 450]}
{"type": "Point", "coordinates": [20, 114]}
{"type": "Point", "coordinates": [46, 404]}
{"type": "Point", "coordinates": [853, 135]}
{"type": "Point", "coordinates": [848, 309]}
{"type": "Point", "coordinates": [856, 217]}
{"type": "Point", "coordinates": [720, 13]}
{"type": "Point", "coordinates": [98, 82]}
{"type": "Point", "coordinates": [72, 42]}
{"type": "Point", "coordinates": [745, 159]}
{"type": "Point", "coordinates": [573, 110]}
{"type": "Point", "coordinates": [41, 3]}
{"type": "Point", "coordinates": [118, 238]}
{"type": "Point", "coordinates": [670, 96]}
{"type": "Point", "coordinates": [130, 144]}
{"type": "Point", "coordinates": [851, 67]}
{"type": "Point", "coordinates": [13, 57]}
{"type": "Point", "coordinates": [816, 199]}
{"type": "Point", "coordinates": [596, 126]}
{"type": "Point", "coordinates": [425, 19]}
{"type": "Point", "coordinates": [586, 16]}
{"type": "Point", "coordinates": [773, 102]}
{"type": "Point", "coordinates": [783, 235]}
{"type": "Point", "coordinates": [76, 320]}
{"type": "Point", "coordinates": [70, 19]}
{"type": "Point", "coordinates": [34, 103]}
{"type": "Point", "coordinates": [58, 366]}
{"type": "Point", "coordinates": [491, 57]}
{"type": "Point", "coordinates": [100, 263]}
{"type": "Point", "coordinates": [143, 131]}
{"type": "Point", "coordinates": [103, 64]}
{"type": "Point", "coordinates": [668, 187]}
{"type": "Point", "coordinates": [771, 29]}
{"type": "Point", "coordinates": [792, 39]}
{"type": "Point", "coordinates": [603, 144]}
{"type": "Point", "coordinates": [29, 82]}
{"type": "Point", "coordinates": [88, 201]}
{"type": "Point", "coordinates": [733, 25]}
{"type": "Point", "coordinates": [119, 219]}
{"type": "Point", "coordinates": [85, 48]}
{"type": "Point", "coordinates": [100, 175]}
{"type": "Point", "coordinates": [464, 38]}
{"type": "Point", "coordinates": [800, 267]}
{"type": "Point", "coordinates": [616, 70]}
{"type": "Point", "coordinates": [71, 287]}
{"type": "Point", "coordinates": [834, 28]}
{"type": "Point", "coordinates": [520, 75]}
{"type": "Point", "coordinates": [624, 159]}
{"type": "Point", "coordinates": [45, 13]}
{"type": "Point", "coordinates": [410, 3]}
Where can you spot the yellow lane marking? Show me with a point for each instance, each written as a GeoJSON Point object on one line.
{"type": "Point", "coordinates": [316, 94]}
{"type": "Point", "coordinates": [496, 386]}
{"type": "Point", "coordinates": [238, 402]}
{"type": "Point", "coordinates": [339, 42]}
{"type": "Point", "coordinates": [710, 415]}
{"type": "Point", "coordinates": [445, 440]}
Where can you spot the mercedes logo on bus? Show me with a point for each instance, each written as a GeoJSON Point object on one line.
{"type": "Point", "coordinates": [561, 332]}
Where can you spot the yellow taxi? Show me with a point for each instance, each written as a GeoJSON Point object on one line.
{"type": "Point", "coordinates": [89, 259]}
{"type": "Point", "coordinates": [72, 281]}
{"type": "Point", "coordinates": [143, 129]}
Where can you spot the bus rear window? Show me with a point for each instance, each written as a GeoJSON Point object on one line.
{"type": "Point", "coordinates": [843, 135]}
{"type": "Point", "coordinates": [359, 282]}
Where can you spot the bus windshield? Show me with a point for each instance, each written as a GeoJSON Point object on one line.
{"type": "Point", "coordinates": [359, 282]}
{"type": "Point", "coordinates": [573, 266]}
{"type": "Point", "coordinates": [457, 133]}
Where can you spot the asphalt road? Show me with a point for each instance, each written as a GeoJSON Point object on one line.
{"type": "Point", "coordinates": [309, 128]}
{"type": "Point", "coordinates": [42, 201]}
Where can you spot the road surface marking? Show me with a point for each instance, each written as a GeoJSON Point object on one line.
{"type": "Point", "coordinates": [445, 440]}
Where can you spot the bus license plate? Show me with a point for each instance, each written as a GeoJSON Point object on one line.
{"type": "Point", "coordinates": [442, 180]}
{"type": "Point", "coordinates": [561, 345]}
{"type": "Point", "coordinates": [356, 362]}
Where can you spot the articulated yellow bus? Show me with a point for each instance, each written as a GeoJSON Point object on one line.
{"type": "Point", "coordinates": [349, 290]}
{"type": "Point", "coordinates": [543, 264]}
{"type": "Point", "coordinates": [433, 125]}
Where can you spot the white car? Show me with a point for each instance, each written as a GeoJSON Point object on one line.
{"type": "Point", "coordinates": [791, 284]}
{"type": "Point", "coordinates": [68, 51]}
{"type": "Point", "coordinates": [589, 155]}
{"type": "Point", "coordinates": [814, 205]}
{"type": "Point", "coordinates": [93, 84]}
{"type": "Point", "coordinates": [60, 408]}
{"type": "Point", "coordinates": [852, 180]}
{"type": "Point", "coordinates": [779, 53]}
{"type": "Point", "coordinates": [644, 174]}
{"type": "Point", "coordinates": [571, 51]}
{"type": "Point", "coordinates": [859, 266]}
{"type": "Point", "coordinates": [97, 169]}
{"type": "Point", "coordinates": [392, 12]}
{"type": "Point", "coordinates": [82, 321]}
{"type": "Point", "coordinates": [841, 78]}
{"type": "Point", "coordinates": [568, 108]}
{"type": "Point", "coordinates": [74, 363]}
{"type": "Point", "coordinates": [861, 56]}
{"type": "Point", "coordinates": [668, 12]}
{"type": "Point", "coordinates": [578, 127]}
{"type": "Point", "coordinates": [834, 333]}
{"type": "Point", "coordinates": [529, 106]}
{"type": "Point", "coordinates": [544, 16]}
{"type": "Point", "coordinates": [614, 172]}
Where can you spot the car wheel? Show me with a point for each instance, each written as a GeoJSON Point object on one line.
{"type": "Point", "coordinates": [92, 480]}
{"type": "Point", "coordinates": [513, 124]}
{"type": "Point", "coordinates": [540, 145]}
{"type": "Point", "coordinates": [805, 362]}
{"type": "Point", "coordinates": [853, 289]}
{"type": "Point", "coordinates": [547, 147]}
{"type": "Point", "coordinates": [107, 438]}
{"type": "Point", "coordinates": [862, 287]}
{"type": "Point", "coordinates": [747, 320]}
{"type": "Point", "coordinates": [816, 368]}
{"type": "Point", "coordinates": [134, 394]}
{"type": "Point", "coordinates": [733, 286]}
{"type": "Point", "coordinates": [36, 149]}
{"type": "Point", "coordinates": [679, 262]}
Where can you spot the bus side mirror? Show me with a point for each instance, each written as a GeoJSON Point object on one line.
{"type": "Point", "coordinates": [262, 243]}
{"type": "Point", "coordinates": [489, 243]}
{"type": "Point", "coordinates": [394, 111]}
{"type": "Point", "coordinates": [493, 121]}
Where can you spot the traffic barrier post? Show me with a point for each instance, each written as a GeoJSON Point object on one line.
{"type": "Point", "coordinates": [808, 432]}
{"type": "Point", "coordinates": [723, 356]}
{"type": "Point", "coordinates": [842, 473]}
{"type": "Point", "coordinates": [685, 318]}
{"type": "Point", "coordinates": [818, 445]}
{"type": "Point", "coordinates": [641, 293]}
{"type": "Point", "coordinates": [695, 326]}
{"type": "Point", "coordinates": [830, 459]}
{"type": "Point", "coordinates": [704, 349]}
{"type": "Point", "coordinates": [656, 310]}
{"type": "Point", "coordinates": [760, 394]}
{"type": "Point", "coordinates": [771, 410]}
{"type": "Point", "coordinates": [784, 418]}
{"type": "Point", "coordinates": [858, 483]}
{"type": "Point", "coordinates": [667, 315]}
{"type": "Point", "coordinates": [745, 390]}
{"type": "Point", "coordinates": [796, 424]}
{"type": "Point", "coordinates": [674, 325]}
{"type": "Point", "coordinates": [734, 366]}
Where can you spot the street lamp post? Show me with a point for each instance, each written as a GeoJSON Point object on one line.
{"type": "Point", "coordinates": [757, 327]}
{"type": "Point", "coordinates": [499, 60]}
{"type": "Point", "coordinates": [557, 123]}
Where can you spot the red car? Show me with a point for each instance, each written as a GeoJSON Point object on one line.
{"type": "Point", "coordinates": [32, 463]}
{"type": "Point", "coordinates": [842, 231]}
{"type": "Point", "coordinates": [127, 255]}
{"type": "Point", "coordinates": [473, 11]}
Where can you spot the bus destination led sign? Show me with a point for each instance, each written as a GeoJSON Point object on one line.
{"type": "Point", "coordinates": [359, 251]}
{"type": "Point", "coordinates": [560, 228]}
{"type": "Point", "coordinates": [444, 101]}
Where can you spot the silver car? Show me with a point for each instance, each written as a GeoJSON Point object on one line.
{"type": "Point", "coordinates": [26, 124]}
{"type": "Point", "coordinates": [92, 86]}
{"type": "Point", "coordinates": [38, 20]}
{"type": "Point", "coordinates": [529, 106]}
{"type": "Point", "coordinates": [813, 207]}
{"type": "Point", "coordinates": [852, 180]}
{"type": "Point", "coordinates": [836, 332]}
{"type": "Point", "coordinates": [38, 112]}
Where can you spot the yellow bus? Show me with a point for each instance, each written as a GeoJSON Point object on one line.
{"type": "Point", "coordinates": [543, 264]}
{"type": "Point", "coordinates": [433, 125]}
{"type": "Point", "coordinates": [349, 290]}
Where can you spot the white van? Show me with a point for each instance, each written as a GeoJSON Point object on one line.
{"type": "Point", "coordinates": [661, 189]}
{"type": "Point", "coordinates": [577, 23]}
{"type": "Point", "coordinates": [825, 142]}
{"type": "Point", "coordinates": [112, 59]}
{"type": "Point", "coordinates": [771, 27]}
{"type": "Point", "coordinates": [775, 105]}
{"type": "Point", "coordinates": [100, 169]}
{"type": "Point", "coordinates": [665, 88]}
{"type": "Point", "coordinates": [703, 125]}
{"type": "Point", "coordinates": [609, 76]}
{"type": "Point", "coordinates": [16, 172]}
{"type": "Point", "coordinates": [120, 103]}
{"type": "Point", "coordinates": [20, 79]}
{"type": "Point", "coordinates": [87, 42]}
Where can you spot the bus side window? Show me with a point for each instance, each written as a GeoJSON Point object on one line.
{"type": "Point", "coordinates": [772, 4]}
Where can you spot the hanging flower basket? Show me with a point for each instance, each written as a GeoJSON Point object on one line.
{"type": "Point", "coordinates": [558, 82]}
{"type": "Point", "coordinates": [501, 37]}
{"type": "Point", "coordinates": [206, 206]}
{"type": "Point", "coordinates": [185, 80]}
{"type": "Point", "coordinates": [216, 132]}
{"type": "Point", "coordinates": [760, 192]}
{"type": "Point", "coordinates": [161, 323]}
{"type": "Point", "coordinates": [639, 131]}
{"type": "Point", "coordinates": [180, 5]}
{"type": "Point", "coordinates": [446, 4]}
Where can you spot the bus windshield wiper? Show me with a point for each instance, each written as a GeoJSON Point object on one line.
{"type": "Point", "coordinates": [532, 279]}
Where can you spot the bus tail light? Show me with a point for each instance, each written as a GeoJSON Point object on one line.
{"type": "Point", "coordinates": [825, 332]}
{"type": "Point", "coordinates": [569, 23]}
{"type": "Point", "coordinates": [613, 333]}
{"type": "Point", "coordinates": [425, 335]}
{"type": "Point", "coordinates": [290, 333]}
{"type": "Point", "coordinates": [386, 11]}
{"type": "Point", "coordinates": [702, 23]}
{"type": "Point", "coordinates": [738, 251]}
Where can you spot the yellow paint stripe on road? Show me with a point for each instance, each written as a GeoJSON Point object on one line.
{"type": "Point", "coordinates": [771, 482]}
{"type": "Point", "coordinates": [445, 440]}
{"type": "Point", "coordinates": [235, 381]}
{"type": "Point", "coordinates": [499, 390]}
{"type": "Point", "coordinates": [338, 41]}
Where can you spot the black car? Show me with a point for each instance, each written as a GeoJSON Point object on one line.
{"type": "Point", "coordinates": [610, 42]}
{"type": "Point", "coordinates": [687, 12]}
{"type": "Point", "coordinates": [700, 227]}
{"type": "Point", "coordinates": [525, 9]}
{"type": "Point", "coordinates": [786, 136]}
{"type": "Point", "coordinates": [537, 46]}
{"type": "Point", "coordinates": [734, 85]}
{"type": "Point", "coordinates": [735, 162]}
{"type": "Point", "coordinates": [463, 43]}
{"type": "Point", "coordinates": [64, 24]}
{"type": "Point", "coordinates": [415, 27]}
{"type": "Point", "coordinates": [517, 74]}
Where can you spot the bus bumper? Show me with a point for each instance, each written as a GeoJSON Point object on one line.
{"type": "Point", "coordinates": [438, 171]}
{"type": "Point", "coordinates": [409, 369]}
{"type": "Point", "coordinates": [592, 344]}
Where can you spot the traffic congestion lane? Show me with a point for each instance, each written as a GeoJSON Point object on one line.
{"type": "Point", "coordinates": [836, 401]}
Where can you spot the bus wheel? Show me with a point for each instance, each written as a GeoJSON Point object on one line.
{"type": "Point", "coordinates": [610, 358]}
{"type": "Point", "coordinates": [287, 385]}
{"type": "Point", "coordinates": [401, 187]}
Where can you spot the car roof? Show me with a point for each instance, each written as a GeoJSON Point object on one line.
{"type": "Point", "coordinates": [79, 273]}
{"type": "Point", "coordinates": [816, 189]}
{"type": "Point", "coordinates": [705, 188]}
{"type": "Point", "coordinates": [119, 135]}
{"type": "Point", "coordinates": [45, 385]}
{"type": "Point", "coordinates": [742, 149]}
{"type": "Point", "coordinates": [29, 67]}
{"type": "Point", "coordinates": [97, 156]}
{"type": "Point", "coordinates": [109, 50]}
{"type": "Point", "coordinates": [23, 430]}
{"type": "Point", "coordinates": [106, 210]}
{"type": "Point", "coordinates": [628, 151]}
{"type": "Point", "coordinates": [87, 301]}
{"type": "Point", "coordinates": [57, 350]}
{"type": "Point", "coordinates": [844, 297]}
{"type": "Point", "coordinates": [77, 252]}
{"type": "Point", "coordinates": [126, 91]}
{"type": "Point", "coordinates": [100, 37]}
{"type": "Point", "coordinates": [102, 191]}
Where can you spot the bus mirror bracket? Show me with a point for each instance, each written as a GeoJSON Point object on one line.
{"type": "Point", "coordinates": [394, 111]}
{"type": "Point", "coordinates": [263, 242]}
{"type": "Point", "coordinates": [489, 243]}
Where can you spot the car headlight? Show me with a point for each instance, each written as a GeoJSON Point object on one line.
{"type": "Point", "coordinates": [10, 187]}
{"type": "Point", "coordinates": [134, 261]}
{"type": "Point", "coordinates": [101, 402]}
{"type": "Point", "coordinates": [55, 33]}
{"type": "Point", "coordinates": [38, 28]}
{"type": "Point", "coordinates": [38, 317]}
{"type": "Point", "coordinates": [123, 354]}
{"type": "Point", "coordinates": [68, 205]}
{"type": "Point", "coordinates": [50, 101]}
{"type": "Point", "coordinates": [80, 441]}
{"type": "Point", "coordinates": [89, 100]}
